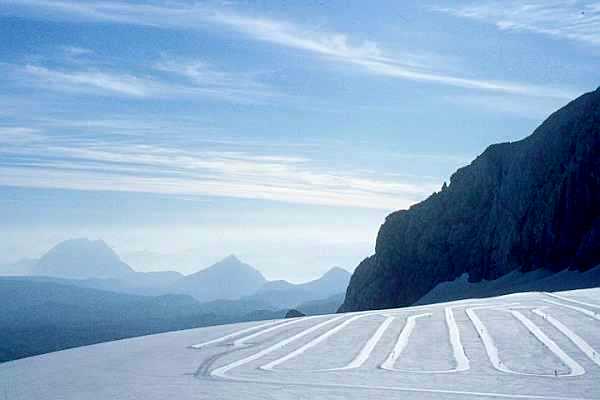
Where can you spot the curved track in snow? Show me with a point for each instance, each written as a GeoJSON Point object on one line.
{"type": "Point", "coordinates": [271, 365]}
{"type": "Point", "coordinates": [367, 349]}
{"type": "Point", "coordinates": [402, 341]}
{"type": "Point", "coordinates": [234, 334]}
{"type": "Point", "coordinates": [575, 368]}
{"type": "Point", "coordinates": [492, 350]}
{"type": "Point", "coordinates": [323, 330]}
{"type": "Point", "coordinates": [220, 372]}
{"type": "Point", "coordinates": [573, 337]}
{"type": "Point", "coordinates": [589, 313]}
{"type": "Point", "coordinates": [565, 298]}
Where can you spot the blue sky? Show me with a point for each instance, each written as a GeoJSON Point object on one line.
{"type": "Point", "coordinates": [283, 132]}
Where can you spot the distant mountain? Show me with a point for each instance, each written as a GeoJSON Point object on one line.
{"type": "Point", "coordinates": [82, 258]}
{"type": "Point", "coordinates": [21, 267]}
{"type": "Point", "coordinates": [322, 306]}
{"type": "Point", "coordinates": [283, 294]}
{"type": "Point", "coordinates": [226, 280]}
{"type": "Point", "coordinates": [156, 278]}
{"type": "Point", "coordinates": [40, 316]}
{"type": "Point", "coordinates": [147, 259]}
{"type": "Point", "coordinates": [229, 288]}
{"type": "Point", "coordinates": [522, 206]}
{"type": "Point", "coordinates": [332, 282]}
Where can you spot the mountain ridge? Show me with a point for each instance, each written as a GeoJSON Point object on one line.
{"type": "Point", "coordinates": [523, 205]}
{"type": "Point", "coordinates": [82, 258]}
{"type": "Point", "coordinates": [227, 279]}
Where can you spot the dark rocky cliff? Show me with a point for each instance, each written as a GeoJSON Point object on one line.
{"type": "Point", "coordinates": [524, 205]}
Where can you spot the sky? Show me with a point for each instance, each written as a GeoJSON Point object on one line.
{"type": "Point", "coordinates": [283, 132]}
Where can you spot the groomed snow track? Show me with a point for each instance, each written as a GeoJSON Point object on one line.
{"type": "Point", "coordinates": [465, 349]}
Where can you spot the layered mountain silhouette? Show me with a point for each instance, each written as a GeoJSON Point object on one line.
{"type": "Point", "coordinates": [39, 316]}
{"type": "Point", "coordinates": [19, 268]}
{"type": "Point", "coordinates": [522, 206]}
{"type": "Point", "coordinates": [81, 292]}
{"type": "Point", "coordinates": [228, 279]}
{"type": "Point", "coordinates": [93, 264]}
{"type": "Point", "coordinates": [82, 258]}
{"type": "Point", "coordinates": [285, 294]}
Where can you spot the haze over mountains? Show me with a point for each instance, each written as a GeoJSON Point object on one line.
{"type": "Point", "coordinates": [530, 205]}
{"type": "Point", "coordinates": [228, 279]}
{"type": "Point", "coordinates": [80, 292]}
{"type": "Point", "coordinates": [93, 263]}
{"type": "Point", "coordinates": [334, 281]}
{"type": "Point", "coordinates": [82, 258]}
{"type": "Point", "coordinates": [523, 216]}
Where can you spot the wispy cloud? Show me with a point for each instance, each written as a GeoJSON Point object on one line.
{"type": "Point", "coordinates": [570, 19]}
{"type": "Point", "coordinates": [18, 135]}
{"type": "Point", "coordinates": [75, 51]}
{"type": "Point", "coordinates": [201, 74]}
{"type": "Point", "coordinates": [86, 81]}
{"type": "Point", "coordinates": [369, 56]}
{"type": "Point", "coordinates": [97, 165]}
{"type": "Point", "coordinates": [189, 79]}
{"type": "Point", "coordinates": [333, 46]}
{"type": "Point", "coordinates": [501, 104]}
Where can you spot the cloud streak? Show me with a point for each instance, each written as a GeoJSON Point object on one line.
{"type": "Point", "coordinates": [332, 46]}
{"type": "Point", "coordinates": [18, 135]}
{"type": "Point", "coordinates": [189, 79]}
{"type": "Point", "coordinates": [96, 165]}
{"type": "Point", "coordinates": [91, 81]}
{"type": "Point", "coordinates": [572, 20]}
{"type": "Point", "coordinates": [369, 56]}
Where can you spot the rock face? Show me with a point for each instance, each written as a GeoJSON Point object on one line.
{"type": "Point", "coordinates": [530, 204]}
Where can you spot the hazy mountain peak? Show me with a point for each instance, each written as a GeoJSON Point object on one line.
{"type": "Point", "coordinates": [282, 293]}
{"type": "Point", "coordinates": [336, 271]}
{"type": "Point", "coordinates": [232, 258]}
{"type": "Point", "coordinates": [82, 258]}
{"type": "Point", "coordinates": [233, 264]}
{"type": "Point", "coordinates": [229, 278]}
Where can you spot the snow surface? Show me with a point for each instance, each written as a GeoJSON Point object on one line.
{"type": "Point", "coordinates": [521, 346]}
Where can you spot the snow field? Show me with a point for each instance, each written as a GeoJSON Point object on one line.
{"type": "Point", "coordinates": [521, 346]}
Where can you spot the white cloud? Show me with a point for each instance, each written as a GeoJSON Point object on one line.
{"type": "Point", "coordinates": [96, 165]}
{"type": "Point", "coordinates": [121, 84]}
{"type": "Point", "coordinates": [370, 57]}
{"type": "Point", "coordinates": [18, 135]}
{"type": "Point", "coordinates": [202, 75]}
{"type": "Point", "coordinates": [200, 81]}
{"type": "Point", "coordinates": [75, 51]}
{"type": "Point", "coordinates": [336, 47]}
{"type": "Point", "coordinates": [573, 20]}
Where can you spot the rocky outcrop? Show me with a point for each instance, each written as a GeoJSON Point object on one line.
{"type": "Point", "coordinates": [525, 205]}
{"type": "Point", "coordinates": [294, 314]}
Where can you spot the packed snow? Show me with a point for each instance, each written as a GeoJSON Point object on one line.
{"type": "Point", "coordinates": [541, 346]}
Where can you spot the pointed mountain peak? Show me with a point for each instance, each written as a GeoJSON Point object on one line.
{"type": "Point", "coordinates": [229, 278]}
{"type": "Point", "coordinates": [336, 271]}
{"type": "Point", "coordinates": [232, 258]}
{"type": "Point", "coordinates": [82, 258]}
